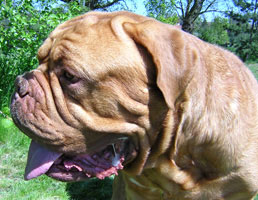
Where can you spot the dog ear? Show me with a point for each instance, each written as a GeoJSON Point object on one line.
{"type": "Point", "coordinates": [166, 45]}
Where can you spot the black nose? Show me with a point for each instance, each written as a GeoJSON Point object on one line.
{"type": "Point", "coordinates": [22, 86]}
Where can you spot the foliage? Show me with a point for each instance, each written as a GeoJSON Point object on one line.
{"type": "Point", "coordinates": [214, 32]}
{"type": "Point", "coordinates": [243, 29]}
{"type": "Point", "coordinates": [162, 10]}
{"type": "Point", "coordinates": [190, 10]}
{"type": "Point", "coordinates": [24, 25]}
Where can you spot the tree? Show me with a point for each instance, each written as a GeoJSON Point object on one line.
{"type": "Point", "coordinates": [242, 29]}
{"type": "Point", "coordinates": [163, 10]}
{"type": "Point", "coordinates": [190, 10]}
{"type": "Point", "coordinates": [99, 4]}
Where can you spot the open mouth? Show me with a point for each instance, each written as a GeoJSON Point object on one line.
{"type": "Point", "coordinates": [101, 164]}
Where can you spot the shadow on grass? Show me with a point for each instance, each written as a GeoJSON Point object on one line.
{"type": "Point", "coordinates": [92, 189]}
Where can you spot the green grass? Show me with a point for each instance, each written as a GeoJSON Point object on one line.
{"type": "Point", "coordinates": [13, 154]}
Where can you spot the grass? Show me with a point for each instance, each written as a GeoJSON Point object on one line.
{"type": "Point", "coordinates": [13, 154]}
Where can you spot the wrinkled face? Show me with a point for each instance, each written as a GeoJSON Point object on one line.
{"type": "Point", "coordinates": [86, 107]}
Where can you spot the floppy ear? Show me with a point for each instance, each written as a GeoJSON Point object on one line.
{"type": "Point", "coordinates": [166, 45]}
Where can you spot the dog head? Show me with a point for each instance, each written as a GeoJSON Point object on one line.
{"type": "Point", "coordinates": [104, 91]}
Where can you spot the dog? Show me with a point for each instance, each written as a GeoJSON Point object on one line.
{"type": "Point", "coordinates": [174, 117]}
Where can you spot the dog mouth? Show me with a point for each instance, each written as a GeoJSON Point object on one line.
{"type": "Point", "coordinates": [62, 167]}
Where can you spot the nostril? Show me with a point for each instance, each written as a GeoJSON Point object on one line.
{"type": "Point", "coordinates": [22, 86]}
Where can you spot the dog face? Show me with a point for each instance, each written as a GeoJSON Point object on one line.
{"type": "Point", "coordinates": [89, 106]}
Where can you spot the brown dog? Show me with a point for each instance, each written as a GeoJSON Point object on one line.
{"type": "Point", "coordinates": [119, 90]}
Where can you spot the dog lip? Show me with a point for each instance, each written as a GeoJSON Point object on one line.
{"type": "Point", "coordinates": [66, 176]}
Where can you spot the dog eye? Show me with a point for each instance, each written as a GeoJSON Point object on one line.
{"type": "Point", "coordinates": [69, 77]}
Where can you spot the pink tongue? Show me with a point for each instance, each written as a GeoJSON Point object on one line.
{"type": "Point", "coordinates": [39, 160]}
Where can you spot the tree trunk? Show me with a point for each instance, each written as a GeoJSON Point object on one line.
{"type": "Point", "coordinates": [192, 10]}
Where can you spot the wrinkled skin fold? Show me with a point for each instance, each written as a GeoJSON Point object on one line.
{"type": "Point", "coordinates": [175, 118]}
